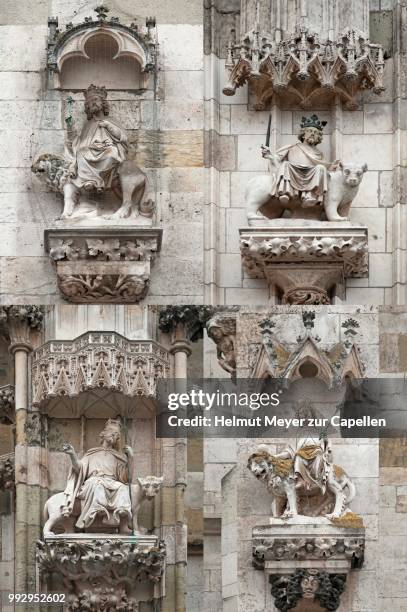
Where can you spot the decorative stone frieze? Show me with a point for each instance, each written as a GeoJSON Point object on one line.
{"type": "Point", "coordinates": [111, 266]}
{"type": "Point", "coordinates": [97, 360]}
{"type": "Point", "coordinates": [274, 359]}
{"type": "Point", "coordinates": [309, 547]}
{"type": "Point", "coordinates": [7, 471]}
{"type": "Point", "coordinates": [103, 573]}
{"type": "Point", "coordinates": [307, 263]}
{"type": "Point", "coordinates": [132, 41]}
{"type": "Point", "coordinates": [307, 561]}
{"type": "Point", "coordinates": [7, 404]}
{"type": "Point", "coordinates": [302, 69]}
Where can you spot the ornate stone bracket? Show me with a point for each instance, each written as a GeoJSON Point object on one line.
{"type": "Point", "coordinates": [132, 41]}
{"type": "Point", "coordinates": [301, 68]}
{"type": "Point", "coordinates": [104, 573]}
{"type": "Point", "coordinates": [307, 561]}
{"type": "Point", "coordinates": [7, 471]}
{"type": "Point", "coordinates": [111, 266]}
{"type": "Point", "coordinates": [7, 414]}
{"type": "Point", "coordinates": [94, 361]}
{"type": "Point", "coordinates": [307, 263]}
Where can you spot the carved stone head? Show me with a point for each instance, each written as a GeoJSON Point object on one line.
{"type": "Point", "coordinates": [96, 101]}
{"type": "Point", "coordinates": [311, 130]}
{"type": "Point", "coordinates": [111, 434]}
{"type": "Point", "coordinates": [151, 485]}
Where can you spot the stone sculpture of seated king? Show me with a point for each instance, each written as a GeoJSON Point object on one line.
{"type": "Point", "coordinates": [98, 495]}
{"type": "Point", "coordinates": [302, 181]}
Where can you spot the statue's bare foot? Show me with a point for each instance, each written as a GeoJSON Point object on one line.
{"type": "Point", "coordinates": [308, 200]}
{"type": "Point", "coordinates": [284, 199]}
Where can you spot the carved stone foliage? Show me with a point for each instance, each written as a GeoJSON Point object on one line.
{"type": "Point", "coordinates": [94, 361]}
{"type": "Point", "coordinates": [132, 41]}
{"type": "Point", "coordinates": [311, 584]}
{"type": "Point", "coordinates": [102, 573]}
{"type": "Point", "coordinates": [306, 264]}
{"type": "Point", "coordinates": [301, 68]}
{"type": "Point", "coordinates": [7, 414]}
{"type": "Point", "coordinates": [103, 266]}
{"type": "Point", "coordinates": [7, 471]}
{"type": "Point", "coordinates": [192, 318]}
{"type": "Point", "coordinates": [309, 548]}
{"type": "Point", "coordinates": [19, 322]}
{"type": "Point", "coordinates": [332, 365]}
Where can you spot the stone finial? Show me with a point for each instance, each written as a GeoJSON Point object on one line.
{"type": "Point", "coordinates": [102, 11]}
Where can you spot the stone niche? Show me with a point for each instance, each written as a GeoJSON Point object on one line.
{"type": "Point", "coordinates": [304, 52]}
{"type": "Point", "coordinates": [115, 559]}
{"type": "Point", "coordinates": [104, 242]}
{"type": "Point", "coordinates": [299, 234]}
{"type": "Point", "coordinates": [101, 48]}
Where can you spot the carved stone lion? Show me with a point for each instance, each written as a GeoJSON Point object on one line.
{"type": "Point", "coordinates": [288, 488]}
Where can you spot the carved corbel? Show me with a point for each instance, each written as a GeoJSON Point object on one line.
{"type": "Point", "coordinates": [103, 266]}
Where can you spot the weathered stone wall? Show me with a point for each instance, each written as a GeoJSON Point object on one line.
{"type": "Point", "coordinates": [236, 502]}
{"type": "Point", "coordinates": [373, 134]}
{"type": "Point", "coordinates": [165, 127]}
{"type": "Point", "coordinates": [393, 472]}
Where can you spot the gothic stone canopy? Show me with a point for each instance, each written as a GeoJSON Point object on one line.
{"type": "Point", "coordinates": [303, 69]}
{"type": "Point", "coordinates": [132, 41]}
{"type": "Point", "coordinates": [96, 361]}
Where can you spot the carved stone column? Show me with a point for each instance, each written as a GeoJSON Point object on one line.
{"type": "Point", "coordinates": [184, 324]}
{"type": "Point", "coordinates": [22, 323]}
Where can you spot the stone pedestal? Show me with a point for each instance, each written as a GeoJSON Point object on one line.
{"type": "Point", "coordinates": [307, 560]}
{"type": "Point", "coordinates": [103, 571]}
{"type": "Point", "coordinates": [109, 266]}
{"type": "Point", "coordinates": [306, 261]}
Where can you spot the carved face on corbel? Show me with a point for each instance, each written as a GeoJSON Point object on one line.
{"type": "Point", "coordinates": [309, 584]}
